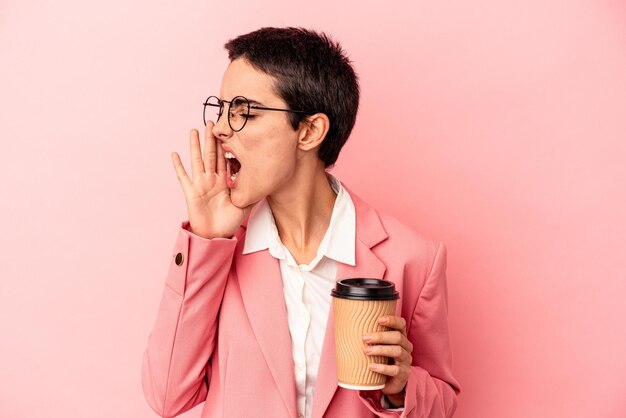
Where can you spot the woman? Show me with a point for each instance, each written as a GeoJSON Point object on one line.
{"type": "Point", "coordinates": [244, 323]}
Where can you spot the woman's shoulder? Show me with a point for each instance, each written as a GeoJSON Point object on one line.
{"type": "Point", "coordinates": [406, 238]}
{"type": "Point", "coordinates": [397, 231]}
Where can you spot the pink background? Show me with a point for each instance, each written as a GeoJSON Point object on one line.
{"type": "Point", "coordinates": [497, 128]}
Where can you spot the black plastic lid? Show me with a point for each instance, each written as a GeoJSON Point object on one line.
{"type": "Point", "coordinates": [365, 289]}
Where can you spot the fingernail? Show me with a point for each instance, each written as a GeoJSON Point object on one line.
{"type": "Point", "coordinates": [368, 350]}
{"type": "Point", "coordinates": [367, 338]}
{"type": "Point", "coordinates": [382, 320]}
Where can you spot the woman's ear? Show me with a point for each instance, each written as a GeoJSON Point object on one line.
{"type": "Point", "coordinates": [313, 131]}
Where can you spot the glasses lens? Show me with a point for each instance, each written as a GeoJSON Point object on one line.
{"type": "Point", "coordinates": [213, 108]}
{"type": "Point", "coordinates": [239, 112]}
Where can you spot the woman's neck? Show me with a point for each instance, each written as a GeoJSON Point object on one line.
{"type": "Point", "coordinates": [302, 211]}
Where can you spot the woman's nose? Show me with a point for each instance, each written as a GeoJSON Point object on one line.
{"type": "Point", "coordinates": [221, 129]}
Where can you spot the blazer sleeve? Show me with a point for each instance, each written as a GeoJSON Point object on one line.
{"type": "Point", "coordinates": [431, 390]}
{"type": "Point", "coordinates": [176, 366]}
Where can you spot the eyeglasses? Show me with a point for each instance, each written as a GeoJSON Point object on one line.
{"type": "Point", "coordinates": [238, 111]}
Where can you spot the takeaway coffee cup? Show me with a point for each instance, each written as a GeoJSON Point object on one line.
{"type": "Point", "coordinates": [357, 305]}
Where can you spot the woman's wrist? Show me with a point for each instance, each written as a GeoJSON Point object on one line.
{"type": "Point", "coordinates": [397, 400]}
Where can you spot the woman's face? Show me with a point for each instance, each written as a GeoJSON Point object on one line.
{"type": "Point", "coordinates": [267, 145]}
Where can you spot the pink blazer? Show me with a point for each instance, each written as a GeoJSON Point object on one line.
{"type": "Point", "coordinates": [221, 334]}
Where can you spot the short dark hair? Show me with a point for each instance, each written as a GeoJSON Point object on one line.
{"type": "Point", "coordinates": [312, 74]}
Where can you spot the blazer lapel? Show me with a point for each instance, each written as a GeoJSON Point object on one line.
{"type": "Point", "coordinates": [262, 292]}
{"type": "Point", "coordinates": [369, 232]}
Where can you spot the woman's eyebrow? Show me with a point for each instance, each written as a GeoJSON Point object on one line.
{"type": "Point", "coordinates": [251, 101]}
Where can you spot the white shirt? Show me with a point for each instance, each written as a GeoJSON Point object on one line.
{"type": "Point", "coordinates": [307, 287]}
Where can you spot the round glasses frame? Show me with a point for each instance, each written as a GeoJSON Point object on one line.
{"type": "Point", "coordinates": [247, 107]}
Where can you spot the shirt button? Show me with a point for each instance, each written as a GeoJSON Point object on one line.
{"type": "Point", "coordinates": [300, 416]}
{"type": "Point", "coordinates": [179, 259]}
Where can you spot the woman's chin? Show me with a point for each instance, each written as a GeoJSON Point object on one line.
{"type": "Point", "coordinates": [237, 200]}
{"type": "Point", "coordinates": [243, 202]}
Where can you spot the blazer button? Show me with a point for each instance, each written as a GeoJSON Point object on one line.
{"type": "Point", "coordinates": [179, 259]}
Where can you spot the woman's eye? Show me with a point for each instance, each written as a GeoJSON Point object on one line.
{"type": "Point", "coordinates": [249, 116]}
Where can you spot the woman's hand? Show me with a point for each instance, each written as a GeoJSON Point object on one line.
{"type": "Point", "coordinates": [393, 344]}
{"type": "Point", "coordinates": [211, 212]}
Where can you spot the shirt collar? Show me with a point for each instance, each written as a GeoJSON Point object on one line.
{"type": "Point", "coordinates": [338, 242]}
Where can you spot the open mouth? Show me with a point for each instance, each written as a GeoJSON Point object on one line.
{"type": "Point", "coordinates": [233, 166]}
